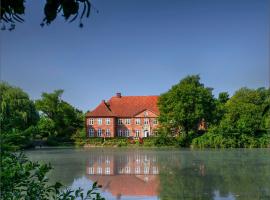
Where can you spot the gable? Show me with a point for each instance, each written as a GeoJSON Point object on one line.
{"type": "Point", "coordinates": [146, 113]}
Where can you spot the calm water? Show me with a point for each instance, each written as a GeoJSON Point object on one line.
{"type": "Point", "coordinates": [163, 174]}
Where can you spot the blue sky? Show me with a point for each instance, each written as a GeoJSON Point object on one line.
{"type": "Point", "coordinates": [139, 47]}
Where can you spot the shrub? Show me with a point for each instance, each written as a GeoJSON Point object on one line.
{"type": "Point", "coordinates": [23, 179]}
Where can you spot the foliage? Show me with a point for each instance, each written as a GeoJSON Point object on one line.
{"type": "Point", "coordinates": [12, 11]}
{"type": "Point", "coordinates": [215, 139]}
{"type": "Point", "coordinates": [244, 112]}
{"type": "Point", "coordinates": [18, 117]}
{"type": "Point", "coordinates": [58, 118]}
{"type": "Point", "coordinates": [17, 110]}
{"type": "Point", "coordinates": [184, 106]}
{"type": "Point", "coordinates": [23, 179]}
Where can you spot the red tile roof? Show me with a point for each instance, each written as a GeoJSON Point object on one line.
{"type": "Point", "coordinates": [125, 106]}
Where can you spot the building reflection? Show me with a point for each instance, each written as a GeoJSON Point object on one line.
{"type": "Point", "coordinates": [125, 174]}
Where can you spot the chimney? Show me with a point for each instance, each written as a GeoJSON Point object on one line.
{"type": "Point", "coordinates": [118, 94]}
{"type": "Point", "coordinates": [103, 101]}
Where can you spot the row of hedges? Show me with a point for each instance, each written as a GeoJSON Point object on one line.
{"type": "Point", "coordinates": [123, 141]}
{"type": "Point", "coordinates": [210, 140]}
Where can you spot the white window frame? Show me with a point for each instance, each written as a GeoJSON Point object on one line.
{"type": "Point", "coordinates": [99, 133]}
{"type": "Point", "coordinates": [91, 121]}
{"type": "Point", "coordinates": [99, 121]}
{"type": "Point", "coordinates": [120, 121]}
{"type": "Point", "coordinates": [146, 121]}
{"type": "Point", "coordinates": [108, 132]}
{"type": "Point", "coordinates": [155, 121]}
{"type": "Point", "coordinates": [107, 170]}
{"type": "Point", "coordinates": [137, 121]}
{"type": "Point", "coordinates": [146, 170]}
{"type": "Point", "coordinates": [99, 170]}
{"type": "Point", "coordinates": [91, 170]}
{"type": "Point", "coordinates": [137, 133]}
{"type": "Point", "coordinates": [137, 170]}
{"type": "Point", "coordinates": [155, 170]}
{"type": "Point", "coordinates": [127, 170]}
{"type": "Point", "coordinates": [108, 121]}
{"type": "Point", "coordinates": [91, 132]}
{"type": "Point", "coordinates": [127, 121]}
{"type": "Point", "coordinates": [127, 132]}
{"type": "Point", "coordinates": [120, 133]}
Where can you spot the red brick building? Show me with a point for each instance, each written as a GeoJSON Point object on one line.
{"type": "Point", "coordinates": [123, 116]}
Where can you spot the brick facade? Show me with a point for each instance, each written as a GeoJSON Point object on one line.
{"type": "Point", "coordinates": [123, 116]}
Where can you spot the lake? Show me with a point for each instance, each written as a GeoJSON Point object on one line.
{"type": "Point", "coordinates": [129, 173]}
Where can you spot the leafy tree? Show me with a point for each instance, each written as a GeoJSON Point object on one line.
{"type": "Point", "coordinates": [12, 11]}
{"type": "Point", "coordinates": [184, 106]}
{"type": "Point", "coordinates": [220, 110]}
{"type": "Point", "coordinates": [17, 110]}
{"type": "Point", "coordinates": [244, 112]}
{"type": "Point", "coordinates": [58, 117]}
{"type": "Point", "coordinates": [18, 116]}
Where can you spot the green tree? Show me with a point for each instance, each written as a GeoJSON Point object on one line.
{"type": "Point", "coordinates": [245, 112]}
{"type": "Point", "coordinates": [184, 106]}
{"type": "Point", "coordinates": [220, 110]}
{"type": "Point", "coordinates": [18, 116]}
{"type": "Point", "coordinates": [59, 118]}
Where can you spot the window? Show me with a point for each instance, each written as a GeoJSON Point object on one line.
{"type": "Point", "coordinates": [107, 170]}
{"type": "Point", "coordinates": [107, 160]}
{"type": "Point", "coordinates": [91, 170]}
{"type": "Point", "coordinates": [155, 121]}
{"type": "Point", "coordinates": [108, 121]}
{"type": "Point", "coordinates": [127, 133]}
{"type": "Point", "coordinates": [91, 121]}
{"type": "Point", "coordinates": [91, 132]}
{"type": "Point", "coordinates": [137, 170]}
{"type": "Point", "coordinates": [137, 133]}
{"type": "Point", "coordinates": [127, 169]}
{"type": "Point", "coordinates": [146, 121]}
{"type": "Point", "coordinates": [99, 132]}
{"type": "Point", "coordinates": [99, 121]}
{"type": "Point", "coordinates": [108, 133]}
{"type": "Point", "coordinates": [99, 170]}
{"type": "Point", "coordinates": [137, 121]}
{"type": "Point", "coordinates": [155, 170]}
{"type": "Point", "coordinates": [146, 170]}
{"type": "Point", "coordinates": [120, 121]}
{"type": "Point", "coordinates": [120, 170]}
{"type": "Point", "coordinates": [120, 132]}
{"type": "Point", "coordinates": [127, 121]}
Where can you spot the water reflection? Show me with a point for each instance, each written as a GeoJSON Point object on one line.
{"type": "Point", "coordinates": [164, 174]}
{"type": "Point", "coordinates": [128, 174]}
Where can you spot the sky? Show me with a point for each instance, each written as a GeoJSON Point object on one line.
{"type": "Point", "coordinates": [139, 47]}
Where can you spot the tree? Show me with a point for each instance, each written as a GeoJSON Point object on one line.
{"type": "Point", "coordinates": [187, 103]}
{"type": "Point", "coordinates": [219, 111]}
{"type": "Point", "coordinates": [12, 11]}
{"type": "Point", "coordinates": [59, 118]}
{"type": "Point", "coordinates": [245, 112]}
{"type": "Point", "coordinates": [18, 116]}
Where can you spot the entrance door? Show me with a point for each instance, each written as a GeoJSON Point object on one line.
{"type": "Point", "coordinates": [146, 133]}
